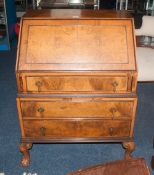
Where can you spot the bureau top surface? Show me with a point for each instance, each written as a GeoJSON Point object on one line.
{"type": "Point", "coordinates": [75, 13]}
{"type": "Point", "coordinates": [76, 40]}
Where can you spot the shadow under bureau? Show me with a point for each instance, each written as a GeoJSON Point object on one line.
{"type": "Point", "coordinates": [76, 75]}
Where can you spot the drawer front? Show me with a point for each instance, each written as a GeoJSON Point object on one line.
{"type": "Point", "coordinates": [102, 84]}
{"type": "Point", "coordinates": [78, 107]}
{"type": "Point", "coordinates": [76, 128]}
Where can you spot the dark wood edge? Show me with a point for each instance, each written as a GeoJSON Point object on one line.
{"type": "Point", "coordinates": [18, 46]}
{"type": "Point", "coordinates": [131, 95]}
{"type": "Point", "coordinates": [74, 140]}
{"type": "Point", "coordinates": [84, 14]}
{"type": "Point", "coordinates": [133, 161]}
{"type": "Point", "coordinates": [74, 71]}
{"type": "Point", "coordinates": [85, 118]}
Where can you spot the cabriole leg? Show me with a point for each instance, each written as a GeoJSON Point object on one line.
{"type": "Point", "coordinates": [24, 149]}
{"type": "Point", "coordinates": [129, 147]}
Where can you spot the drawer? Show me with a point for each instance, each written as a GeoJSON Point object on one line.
{"type": "Point", "coordinates": [76, 83]}
{"type": "Point", "coordinates": [113, 108]}
{"type": "Point", "coordinates": [76, 128]}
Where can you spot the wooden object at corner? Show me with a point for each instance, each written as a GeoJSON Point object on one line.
{"type": "Point", "coordinates": [134, 166]}
{"type": "Point", "coordinates": [76, 75]}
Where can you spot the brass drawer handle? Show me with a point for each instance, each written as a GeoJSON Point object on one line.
{"type": "Point", "coordinates": [115, 84]}
{"type": "Point", "coordinates": [113, 111]}
{"type": "Point", "coordinates": [42, 131]}
{"type": "Point", "coordinates": [38, 84]}
{"type": "Point", "coordinates": [40, 109]}
{"type": "Point", "coordinates": [111, 131]}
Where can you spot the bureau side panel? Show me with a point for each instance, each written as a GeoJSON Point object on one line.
{"type": "Point", "coordinates": [20, 117]}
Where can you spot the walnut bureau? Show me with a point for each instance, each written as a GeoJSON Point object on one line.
{"type": "Point", "coordinates": [76, 75]}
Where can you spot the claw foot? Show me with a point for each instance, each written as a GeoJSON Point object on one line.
{"type": "Point", "coordinates": [24, 149]}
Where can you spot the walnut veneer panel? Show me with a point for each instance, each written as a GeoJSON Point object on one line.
{"type": "Point", "coordinates": [67, 45]}
{"type": "Point", "coordinates": [78, 107]}
{"type": "Point", "coordinates": [76, 128]}
{"type": "Point", "coordinates": [77, 82]}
